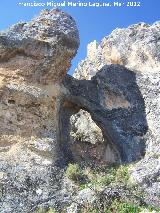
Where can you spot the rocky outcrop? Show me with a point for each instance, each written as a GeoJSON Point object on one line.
{"type": "Point", "coordinates": [117, 107]}
{"type": "Point", "coordinates": [136, 47]}
{"type": "Point", "coordinates": [34, 58]}
{"type": "Point", "coordinates": [107, 115]}
{"type": "Point", "coordinates": [34, 51]}
{"type": "Point", "coordinates": [129, 90]}
{"type": "Point", "coordinates": [80, 97]}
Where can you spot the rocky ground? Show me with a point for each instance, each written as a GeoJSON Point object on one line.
{"type": "Point", "coordinates": [87, 143]}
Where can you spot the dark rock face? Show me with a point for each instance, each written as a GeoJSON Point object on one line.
{"type": "Point", "coordinates": [130, 96]}
{"type": "Point", "coordinates": [80, 96]}
{"type": "Point", "coordinates": [124, 124]}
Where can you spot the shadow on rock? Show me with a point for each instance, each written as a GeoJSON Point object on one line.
{"type": "Point", "coordinates": [114, 101]}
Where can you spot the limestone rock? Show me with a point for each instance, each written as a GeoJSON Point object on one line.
{"type": "Point", "coordinates": [136, 47]}
{"type": "Point", "coordinates": [84, 197]}
{"type": "Point", "coordinates": [34, 57]}
{"type": "Point", "coordinates": [109, 114]}
{"type": "Point", "coordinates": [130, 91]}
{"type": "Point", "coordinates": [34, 51]}
{"type": "Point", "coordinates": [87, 141]}
{"type": "Point", "coordinates": [94, 134]}
{"type": "Point", "coordinates": [123, 122]}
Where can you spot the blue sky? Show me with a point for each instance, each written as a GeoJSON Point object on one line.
{"type": "Point", "coordinates": [93, 23]}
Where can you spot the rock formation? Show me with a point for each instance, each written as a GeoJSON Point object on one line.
{"type": "Point", "coordinates": [34, 58]}
{"type": "Point", "coordinates": [126, 68]}
{"type": "Point", "coordinates": [136, 48]}
{"type": "Point", "coordinates": [107, 113]}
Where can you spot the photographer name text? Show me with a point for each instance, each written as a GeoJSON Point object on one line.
{"type": "Point", "coordinates": [80, 4]}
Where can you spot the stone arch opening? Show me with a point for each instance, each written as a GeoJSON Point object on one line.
{"type": "Point", "coordinates": [87, 142]}
{"type": "Point", "coordinates": [81, 135]}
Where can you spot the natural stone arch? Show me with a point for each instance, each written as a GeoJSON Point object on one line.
{"type": "Point", "coordinates": [87, 142]}
{"type": "Point", "coordinates": [69, 107]}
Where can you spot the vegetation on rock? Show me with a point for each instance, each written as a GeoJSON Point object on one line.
{"type": "Point", "coordinates": [74, 172]}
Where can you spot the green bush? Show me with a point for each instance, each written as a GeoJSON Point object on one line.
{"type": "Point", "coordinates": [51, 210]}
{"type": "Point", "coordinates": [122, 207]}
{"type": "Point", "coordinates": [119, 206]}
{"type": "Point", "coordinates": [74, 172]}
{"type": "Point", "coordinates": [45, 210]}
{"type": "Point", "coordinates": [122, 174]}
{"type": "Point", "coordinates": [103, 180]}
{"type": "Point", "coordinates": [109, 175]}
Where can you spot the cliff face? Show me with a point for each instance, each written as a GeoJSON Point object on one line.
{"type": "Point", "coordinates": [126, 68]}
{"type": "Point", "coordinates": [107, 114]}
{"type": "Point", "coordinates": [34, 57]}
{"type": "Point", "coordinates": [136, 47]}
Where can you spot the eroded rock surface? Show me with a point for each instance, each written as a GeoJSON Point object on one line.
{"type": "Point", "coordinates": [88, 142]}
{"type": "Point", "coordinates": [131, 95]}
{"type": "Point", "coordinates": [135, 47]}
{"type": "Point", "coordinates": [109, 114]}
{"type": "Point", "coordinates": [116, 106]}
{"type": "Point", "coordinates": [34, 57]}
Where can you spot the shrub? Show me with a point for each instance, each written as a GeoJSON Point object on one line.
{"type": "Point", "coordinates": [40, 210]}
{"type": "Point", "coordinates": [103, 179]}
{"type": "Point", "coordinates": [122, 207]}
{"type": "Point", "coordinates": [122, 174]}
{"type": "Point", "coordinates": [74, 172]}
{"type": "Point", "coordinates": [51, 210]}
{"type": "Point", "coordinates": [45, 210]}
{"type": "Point", "coordinates": [109, 175]}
